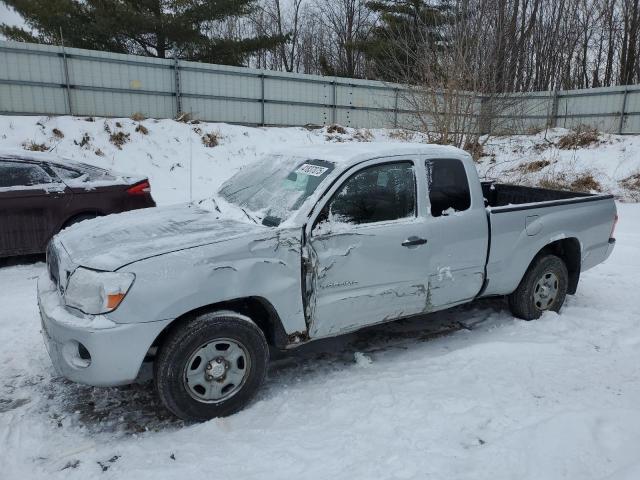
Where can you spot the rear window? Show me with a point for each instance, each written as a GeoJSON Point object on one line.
{"type": "Point", "coordinates": [17, 174]}
{"type": "Point", "coordinates": [448, 186]}
{"type": "Point", "coordinates": [82, 172]}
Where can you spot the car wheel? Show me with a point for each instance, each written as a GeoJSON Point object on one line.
{"type": "Point", "coordinates": [543, 287]}
{"type": "Point", "coordinates": [211, 366]}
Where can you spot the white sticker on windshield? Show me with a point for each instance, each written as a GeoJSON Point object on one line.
{"type": "Point", "coordinates": [313, 170]}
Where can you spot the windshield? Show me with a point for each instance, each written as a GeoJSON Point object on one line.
{"type": "Point", "coordinates": [276, 186]}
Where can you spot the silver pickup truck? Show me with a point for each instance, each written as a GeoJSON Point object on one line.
{"type": "Point", "coordinates": [304, 244]}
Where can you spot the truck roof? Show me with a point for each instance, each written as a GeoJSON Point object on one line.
{"type": "Point", "coordinates": [349, 153]}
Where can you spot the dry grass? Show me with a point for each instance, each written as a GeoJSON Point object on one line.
{"type": "Point", "coordinates": [99, 153]}
{"type": "Point", "coordinates": [535, 166]}
{"type": "Point", "coordinates": [401, 135]}
{"type": "Point", "coordinates": [475, 149]}
{"type": "Point", "coordinates": [57, 133]}
{"type": "Point", "coordinates": [535, 130]}
{"type": "Point", "coordinates": [211, 139]}
{"type": "Point", "coordinates": [119, 139]}
{"type": "Point", "coordinates": [586, 183]}
{"type": "Point", "coordinates": [335, 128]}
{"type": "Point", "coordinates": [137, 117]}
{"type": "Point", "coordinates": [632, 185]}
{"type": "Point", "coordinates": [184, 117]}
{"type": "Point", "coordinates": [632, 182]}
{"type": "Point", "coordinates": [553, 183]}
{"type": "Point", "coordinates": [84, 141]}
{"type": "Point", "coordinates": [35, 147]}
{"type": "Point", "coordinates": [142, 129]}
{"type": "Point", "coordinates": [581, 137]}
{"type": "Point", "coordinates": [363, 135]}
{"type": "Point", "coordinates": [118, 125]}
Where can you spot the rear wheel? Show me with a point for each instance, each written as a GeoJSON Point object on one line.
{"type": "Point", "coordinates": [211, 366]}
{"type": "Point", "coordinates": [543, 287]}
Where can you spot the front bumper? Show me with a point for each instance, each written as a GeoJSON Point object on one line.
{"type": "Point", "coordinates": [92, 349]}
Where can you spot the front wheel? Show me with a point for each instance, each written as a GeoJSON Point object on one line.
{"type": "Point", "coordinates": [543, 287]}
{"type": "Point", "coordinates": [211, 366]}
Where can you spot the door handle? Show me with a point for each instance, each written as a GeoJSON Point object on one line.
{"type": "Point", "coordinates": [413, 240]}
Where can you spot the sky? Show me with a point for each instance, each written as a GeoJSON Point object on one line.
{"type": "Point", "coordinates": [9, 16]}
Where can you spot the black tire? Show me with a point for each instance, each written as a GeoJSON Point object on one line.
{"type": "Point", "coordinates": [523, 302]}
{"type": "Point", "coordinates": [171, 364]}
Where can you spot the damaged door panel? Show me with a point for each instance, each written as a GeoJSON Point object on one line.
{"type": "Point", "coordinates": [366, 277]}
{"type": "Point", "coordinates": [362, 266]}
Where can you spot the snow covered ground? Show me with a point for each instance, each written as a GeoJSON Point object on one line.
{"type": "Point", "coordinates": [470, 393]}
{"type": "Point", "coordinates": [499, 399]}
{"type": "Point", "coordinates": [183, 163]}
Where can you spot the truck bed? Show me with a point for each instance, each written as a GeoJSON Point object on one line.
{"type": "Point", "coordinates": [523, 220]}
{"type": "Point", "coordinates": [502, 195]}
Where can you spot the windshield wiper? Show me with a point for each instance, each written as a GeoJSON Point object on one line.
{"type": "Point", "coordinates": [249, 216]}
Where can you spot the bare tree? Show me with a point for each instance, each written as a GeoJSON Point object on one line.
{"type": "Point", "coordinates": [275, 17]}
{"type": "Point", "coordinates": [349, 23]}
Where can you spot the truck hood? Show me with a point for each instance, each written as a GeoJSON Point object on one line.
{"type": "Point", "coordinates": [108, 243]}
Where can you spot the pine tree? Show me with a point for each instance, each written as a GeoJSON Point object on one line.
{"type": "Point", "coordinates": [159, 28]}
{"type": "Point", "coordinates": [404, 25]}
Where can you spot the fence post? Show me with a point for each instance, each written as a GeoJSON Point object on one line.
{"type": "Point", "coordinates": [335, 101]}
{"type": "Point", "coordinates": [484, 122]}
{"type": "Point", "coordinates": [262, 80]}
{"type": "Point", "coordinates": [623, 110]}
{"type": "Point", "coordinates": [176, 68]}
{"type": "Point", "coordinates": [553, 120]}
{"type": "Point", "coordinates": [395, 109]}
{"type": "Point", "coordinates": [66, 73]}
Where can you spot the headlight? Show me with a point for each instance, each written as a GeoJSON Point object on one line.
{"type": "Point", "coordinates": [96, 292]}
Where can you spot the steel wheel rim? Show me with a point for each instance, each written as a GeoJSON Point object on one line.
{"type": "Point", "coordinates": [545, 291]}
{"type": "Point", "coordinates": [216, 370]}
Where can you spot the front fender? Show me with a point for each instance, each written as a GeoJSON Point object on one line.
{"type": "Point", "coordinates": [171, 285]}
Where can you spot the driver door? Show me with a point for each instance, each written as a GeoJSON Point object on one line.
{"type": "Point", "coordinates": [368, 251]}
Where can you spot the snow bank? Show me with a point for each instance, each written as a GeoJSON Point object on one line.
{"type": "Point", "coordinates": [611, 164]}
{"type": "Point", "coordinates": [183, 162]}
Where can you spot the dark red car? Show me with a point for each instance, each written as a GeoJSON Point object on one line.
{"type": "Point", "coordinates": [40, 194]}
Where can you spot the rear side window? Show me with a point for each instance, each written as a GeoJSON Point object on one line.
{"type": "Point", "coordinates": [82, 172]}
{"type": "Point", "coordinates": [17, 174]}
{"type": "Point", "coordinates": [65, 173]}
{"type": "Point", "coordinates": [448, 186]}
{"type": "Point", "coordinates": [375, 194]}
